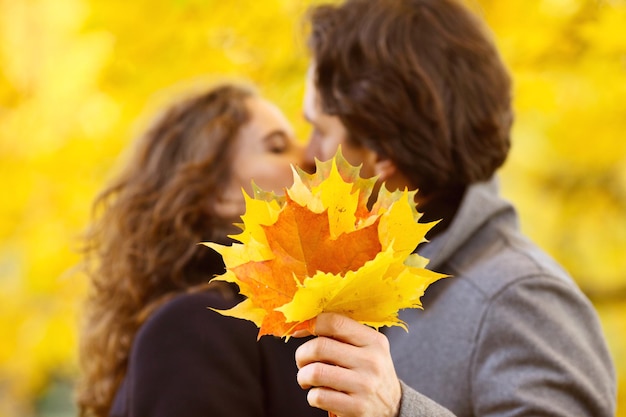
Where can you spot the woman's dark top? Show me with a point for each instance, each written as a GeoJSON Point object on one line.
{"type": "Point", "coordinates": [188, 360]}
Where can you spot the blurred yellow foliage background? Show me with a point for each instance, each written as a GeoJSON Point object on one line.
{"type": "Point", "coordinates": [80, 78]}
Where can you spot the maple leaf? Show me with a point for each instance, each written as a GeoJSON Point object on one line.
{"type": "Point", "coordinates": [320, 249]}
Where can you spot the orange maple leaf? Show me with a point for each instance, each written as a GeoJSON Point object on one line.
{"type": "Point", "coordinates": [301, 243]}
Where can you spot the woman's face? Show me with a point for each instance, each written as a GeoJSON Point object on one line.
{"type": "Point", "coordinates": [264, 151]}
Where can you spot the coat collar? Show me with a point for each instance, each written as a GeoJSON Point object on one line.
{"type": "Point", "coordinates": [480, 203]}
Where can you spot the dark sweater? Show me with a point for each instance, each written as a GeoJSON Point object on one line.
{"type": "Point", "coordinates": [187, 360]}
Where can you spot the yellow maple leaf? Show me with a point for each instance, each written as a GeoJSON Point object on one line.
{"type": "Point", "coordinates": [320, 249]}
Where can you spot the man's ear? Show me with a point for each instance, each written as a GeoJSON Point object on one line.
{"type": "Point", "coordinates": [385, 169]}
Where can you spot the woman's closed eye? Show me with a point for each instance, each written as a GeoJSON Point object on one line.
{"type": "Point", "coordinates": [276, 142]}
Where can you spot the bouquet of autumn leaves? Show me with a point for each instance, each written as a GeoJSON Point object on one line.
{"type": "Point", "coordinates": [320, 249]}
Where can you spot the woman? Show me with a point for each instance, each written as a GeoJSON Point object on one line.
{"type": "Point", "coordinates": [150, 346]}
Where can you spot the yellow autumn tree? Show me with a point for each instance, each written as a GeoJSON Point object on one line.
{"type": "Point", "coordinates": [79, 78]}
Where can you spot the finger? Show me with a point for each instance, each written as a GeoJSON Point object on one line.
{"type": "Point", "coordinates": [327, 350]}
{"type": "Point", "coordinates": [333, 401]}
{"type": "Point", "coordinates": [320, 374]}
{"type": "Point", "coordinates": [345, 329]}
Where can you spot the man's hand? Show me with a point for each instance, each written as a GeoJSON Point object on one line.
{"type": "Point", "coordinates": [348, 369]}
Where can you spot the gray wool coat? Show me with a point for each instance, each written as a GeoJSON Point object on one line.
{"type": "Point", "coordinates": [509, 334]}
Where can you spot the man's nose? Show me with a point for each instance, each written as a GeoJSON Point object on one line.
{"type": "Point", "coordinates": [308, 160]}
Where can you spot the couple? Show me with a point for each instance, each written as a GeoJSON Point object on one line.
{"type": "Point", "coordinates": [416, 92]}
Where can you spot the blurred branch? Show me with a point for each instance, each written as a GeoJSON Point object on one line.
{"type": "Point", "coordinates": [606, 296]}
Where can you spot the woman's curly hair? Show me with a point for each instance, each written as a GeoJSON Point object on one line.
{"type": "Point", "coordinates": [142, 247]}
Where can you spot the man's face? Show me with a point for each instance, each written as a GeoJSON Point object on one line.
{"type": "Point", "coordinates": [327, 133]}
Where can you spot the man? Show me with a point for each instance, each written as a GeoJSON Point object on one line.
{"type": "Point", "coordinates": [416, 92]}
